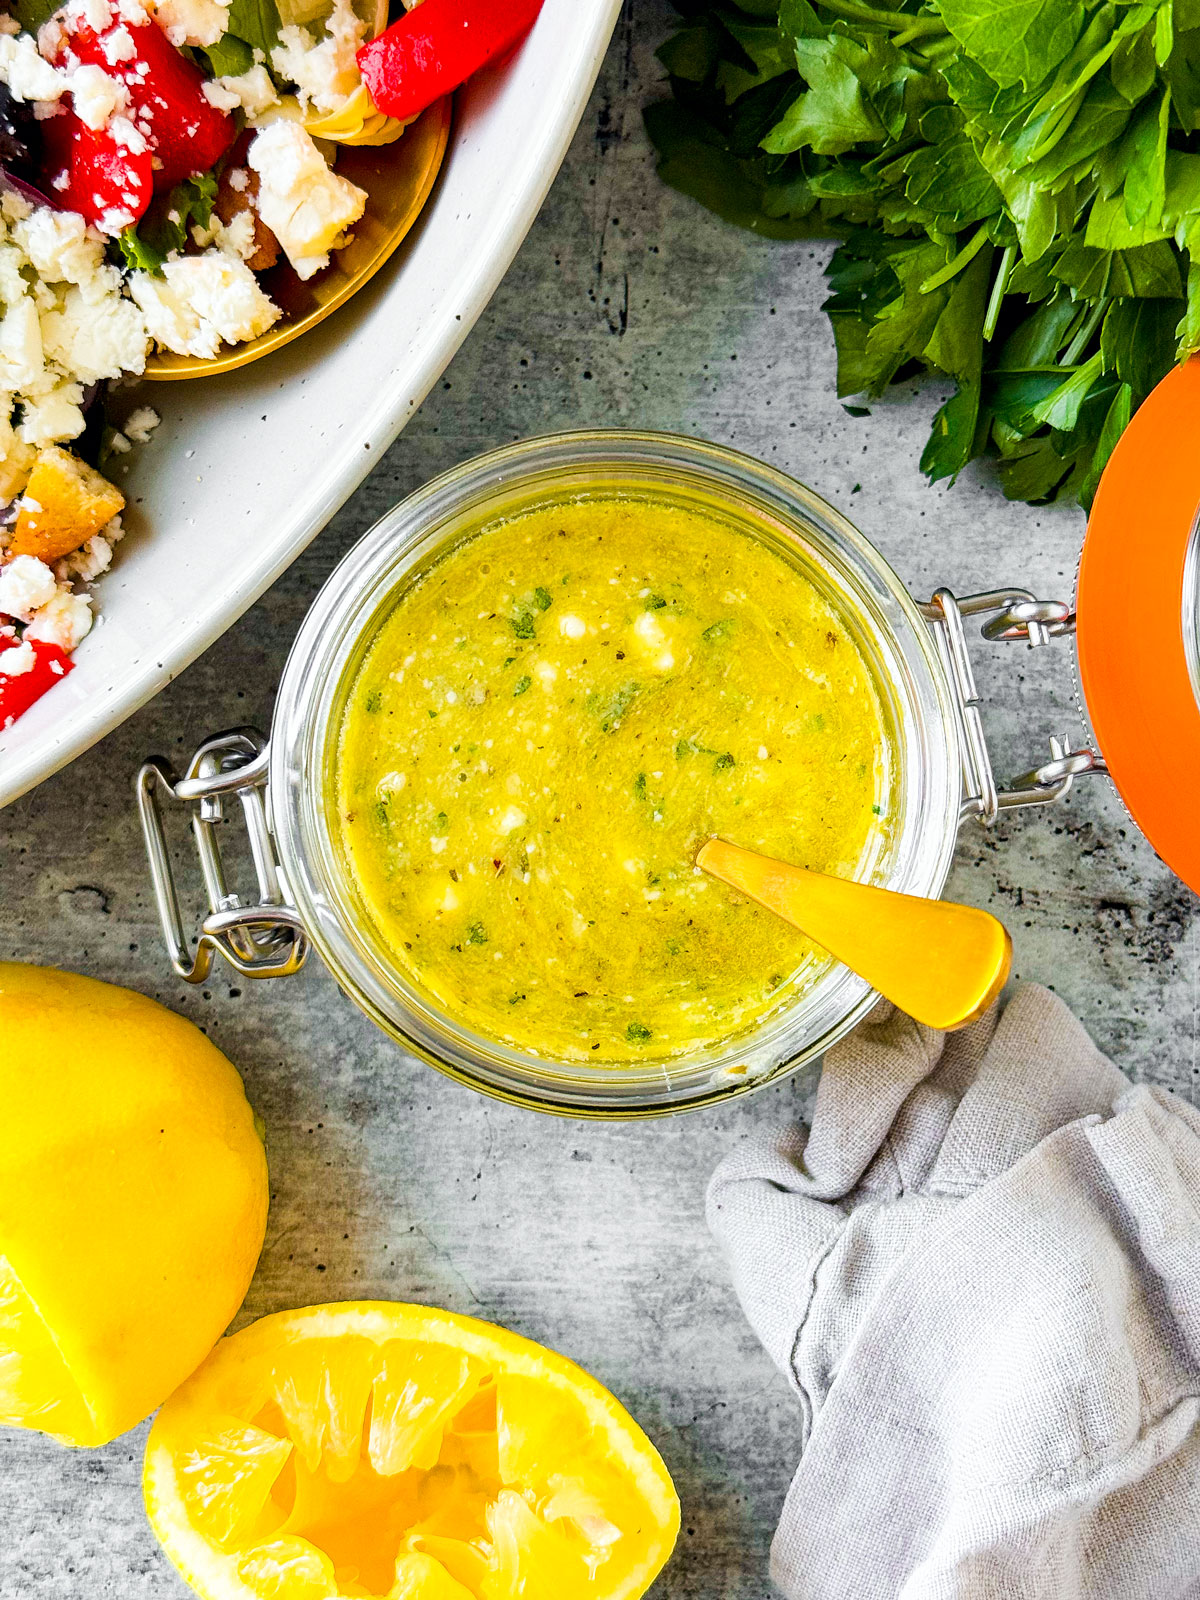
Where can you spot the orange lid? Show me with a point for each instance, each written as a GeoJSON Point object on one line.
{"type": "Point", "coordinates": [1132, 663]}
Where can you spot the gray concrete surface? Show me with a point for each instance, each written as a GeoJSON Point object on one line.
{"type": "Point", "coordinates": [627, 305]}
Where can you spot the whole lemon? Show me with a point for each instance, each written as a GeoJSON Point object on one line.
{"type": "Point", "coordinates": [133, 1202]}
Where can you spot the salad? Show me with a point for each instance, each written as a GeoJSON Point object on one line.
{"type": "Point", "coordinates": [162, 162]}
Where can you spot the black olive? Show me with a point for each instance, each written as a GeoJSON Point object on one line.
{"type": "Point", "coordinates": [88, 445]}
{"type": "Point", "coordinates": [20, 136]}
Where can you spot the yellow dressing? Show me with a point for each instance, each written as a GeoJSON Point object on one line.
{"type": "Point", "coordinates": [547, 727]}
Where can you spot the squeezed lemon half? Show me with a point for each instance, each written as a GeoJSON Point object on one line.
{"type": "Point", "coordinates": [380, 1449]}
{"type": "Point", "coordinates": [133, 1202]}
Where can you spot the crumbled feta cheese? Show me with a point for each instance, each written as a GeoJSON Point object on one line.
{"type": "Point", "coordinates": [95, 341]}
{"type": "Point", "coordinates": [28, 77]}
{"type": "Point", "coordinates": [225, 295]}
{"type": "Point", "coordinates": [170, 322]}
{"type": "Point", "coordinates": [64, 620]}
{"type": "Point", "coordinates": [252, 90]}
{"type": "Point", "coordinates": [22, 367]}
{"type": "Point", "coordinates": [16, 459]}
{"type": "Point", "coordinates": [25, 584]}
{"type": "Point", "coordinates": [238, 235]}
{"type": "Point", "coordinates": [86, 563]}
{"type": "Point", "coordinates": [16, 660]}
{"type": "Point", "coordinates": [324, 73]}
{"type": "Point", "coordinates": [194, 22]}
{"type": "Point", "coordinates": [513, 818]}
{"type": "Point", "coordinates": [66, 323]}
{"type": "Point", "coordinates": [306, 206]}
{"type": "Point", "coordinates": [115, 220]}
{"type": "Point", "coordinates": [53, 416]}
{"type": "Point", "coordinates": [119, 46]}
{"type": "Point", "coordinates": [571, 626]}
{"type": "Point", "coordinates": [95, 96]}
{"type": "Point", "coordinates": [202, 301]}
{"type": "Point", "coordinates": [14, 206]}
{"type": "Point", "coordinates": [130, 135]}
{"type": "Point", "coordinates": [12, 261]}
{"type": "Point", "coordinates": [96, 13]}
{"type": "Point", "coordinates": [140, 424]}
{"type": "Point", "coordinates": [62, 248]}
{"type": "Point", "coordinates": [236, 238]}
{"type": "Point", "coordinates": [220, 99]}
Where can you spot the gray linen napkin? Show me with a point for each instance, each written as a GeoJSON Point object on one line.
{"type": "Point", "coordinates": [980, 1270]}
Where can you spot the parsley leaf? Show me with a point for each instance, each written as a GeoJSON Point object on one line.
{"type": "Point", "coordinates": [256, 22]}
{"type": "Point", "coordinates": [229, 57]}
{"type": "Point", "coordinates": [31, 14]}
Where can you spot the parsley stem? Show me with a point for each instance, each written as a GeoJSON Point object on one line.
{"type": "Point", "coordinates": [999, 289]}
{"type": "Point", "coordinates": [1083, 338]}
{"type": "Point", "coordinates": [953, 267]}
{"type": "Point", "coordinates": [912, 27]}
{"type": "Point", "coordinates": [935, 46]}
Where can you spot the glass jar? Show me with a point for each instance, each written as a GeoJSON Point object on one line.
{"type": "Point", "coordinates": [915, 653]}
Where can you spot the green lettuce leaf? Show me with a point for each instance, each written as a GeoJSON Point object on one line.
{"type": "Point", "coordinates": [164, 228]}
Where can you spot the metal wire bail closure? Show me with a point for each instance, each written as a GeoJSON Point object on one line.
{"type": "Point", "coordinates": [264, 939]}
{"type": "Point", "coordinates": [1013, 616]}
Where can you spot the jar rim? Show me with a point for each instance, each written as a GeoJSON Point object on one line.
{"type": "Point", "coordinates": [345, 616]}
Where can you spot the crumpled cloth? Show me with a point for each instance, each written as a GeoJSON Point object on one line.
{"type": "Point", "coordinates": [980, 1270]}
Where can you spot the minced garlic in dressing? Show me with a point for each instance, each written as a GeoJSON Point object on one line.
{"type": "Point", "coordinates": [550, 724]}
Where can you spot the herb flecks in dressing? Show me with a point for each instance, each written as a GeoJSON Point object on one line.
{"type": "Point", "coordinates": [549, 725]}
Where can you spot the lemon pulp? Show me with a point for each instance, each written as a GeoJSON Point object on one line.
{"type": "Point", "coordinates": [36, 1387]}
{"type": "Point", "coordinates": [359, 1451]}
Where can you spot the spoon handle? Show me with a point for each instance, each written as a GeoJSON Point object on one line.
{"type": "Point", "coordinates": [941, 963]}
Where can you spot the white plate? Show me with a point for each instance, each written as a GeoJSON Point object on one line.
{"type": "Point", "coordinates": [247, 468]}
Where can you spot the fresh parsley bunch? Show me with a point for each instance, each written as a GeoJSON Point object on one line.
{"type": "Point", "coordinates": [1016, 184]}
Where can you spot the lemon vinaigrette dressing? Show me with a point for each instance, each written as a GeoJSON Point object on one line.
{"type": "Point", "coordinates": [548, 725]}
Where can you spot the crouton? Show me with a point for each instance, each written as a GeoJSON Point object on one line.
{"type": "Point", "coordinates": [64, 504]}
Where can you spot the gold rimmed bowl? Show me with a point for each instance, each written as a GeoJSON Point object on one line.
{"type": "Point", "coordinates": [398, 179]}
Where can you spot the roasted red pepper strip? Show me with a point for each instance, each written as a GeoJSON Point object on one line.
{"type": "Point", "coordinates": [108, 182]}
{"type": "Point", "coordinates": [18, 694]}
{"type": "Point", "coordinates": [166, 97]}
{"type": "Point", "coordinates": [438, 45]}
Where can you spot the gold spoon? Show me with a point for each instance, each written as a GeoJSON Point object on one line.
{"type": "Point", "coordinates": [941, 963]}
{"type": "Point", "coordinates": [398, 179]}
